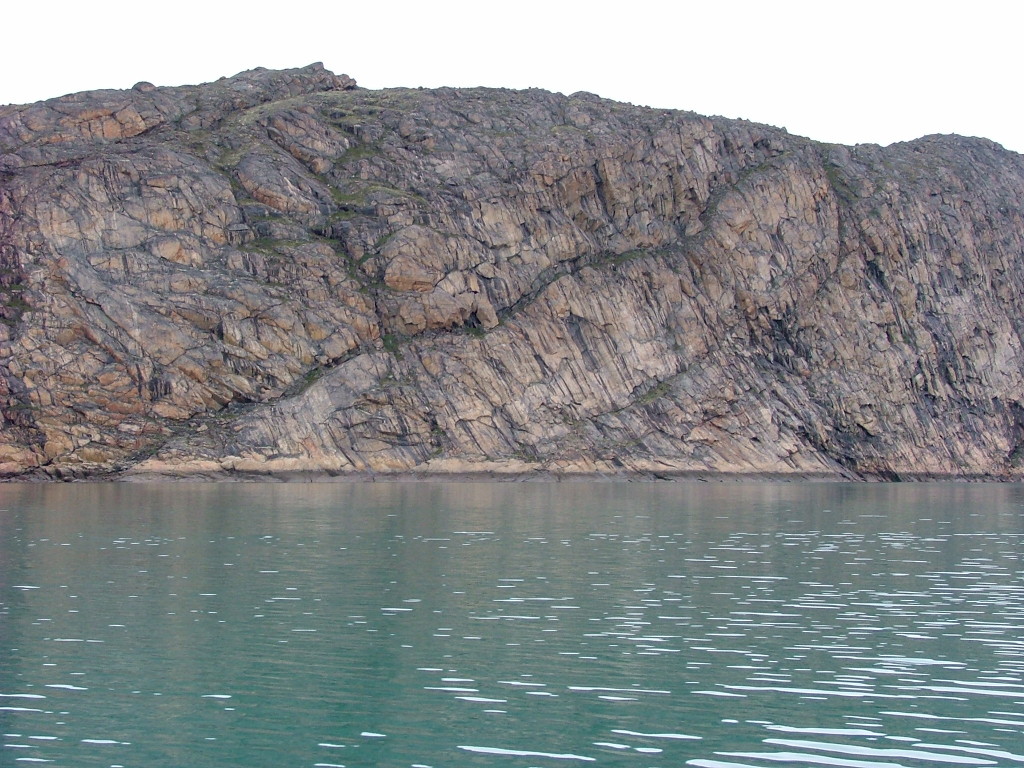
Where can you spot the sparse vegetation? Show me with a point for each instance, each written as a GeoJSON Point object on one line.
{"type": "Point", "coordinates": [358, 152]}
{"type": "Point", "coordinates": [656, 392]}
{"type": "Point", "coordinates": [391, 345]}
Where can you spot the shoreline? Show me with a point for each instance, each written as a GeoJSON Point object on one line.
{"type": "Point", "coordinates": [496, 476]}
{"type": "Point", "coordinates": [236, 469]}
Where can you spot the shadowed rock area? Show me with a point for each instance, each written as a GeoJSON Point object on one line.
{"type": "Point", "coordinates": [280, 275]}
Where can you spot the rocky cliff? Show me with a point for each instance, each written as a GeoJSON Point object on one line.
{"type": "Point", "coordinates": [281, 273]}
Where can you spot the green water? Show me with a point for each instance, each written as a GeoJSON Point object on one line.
{"type": "Point", "coordinates": [712, 625]}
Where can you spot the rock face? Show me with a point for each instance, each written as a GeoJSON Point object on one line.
{"type": "Point", "coordinates": [281, 273]}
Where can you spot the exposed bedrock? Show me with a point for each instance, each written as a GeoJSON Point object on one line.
{"type": "Point", "coordinates": [281, 273]}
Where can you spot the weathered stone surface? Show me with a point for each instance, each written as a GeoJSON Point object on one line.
{"type": "Point", "coordinates": [279, 273]}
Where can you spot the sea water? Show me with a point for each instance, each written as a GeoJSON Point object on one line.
{"type": "Point", "coordinates": [498, 624]}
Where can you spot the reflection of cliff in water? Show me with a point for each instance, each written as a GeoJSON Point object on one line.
{"type": "Point", "coordinates": [401, 624]}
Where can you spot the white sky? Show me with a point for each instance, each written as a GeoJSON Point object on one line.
{"type": "Point", "coordinates": [845, 72]}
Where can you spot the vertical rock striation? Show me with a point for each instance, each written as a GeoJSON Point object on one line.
{"type": "Point", "coordinates": [280, 273]}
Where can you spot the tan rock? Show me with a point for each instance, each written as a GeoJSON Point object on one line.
{"type": "Point", "coordinates": [491, 281]}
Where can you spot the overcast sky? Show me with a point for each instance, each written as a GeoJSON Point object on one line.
{"type": "Point", "coordinates": [843, 72]}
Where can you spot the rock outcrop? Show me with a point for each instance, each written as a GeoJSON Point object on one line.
{"type": "Point", "coordinates": [281, 273]}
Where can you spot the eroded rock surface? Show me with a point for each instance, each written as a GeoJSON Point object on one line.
{"type": "Point", "coordinates": [279, 272]}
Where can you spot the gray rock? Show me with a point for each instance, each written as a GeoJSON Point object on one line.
{"type": "Point", "coordinates": [277, 273]}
